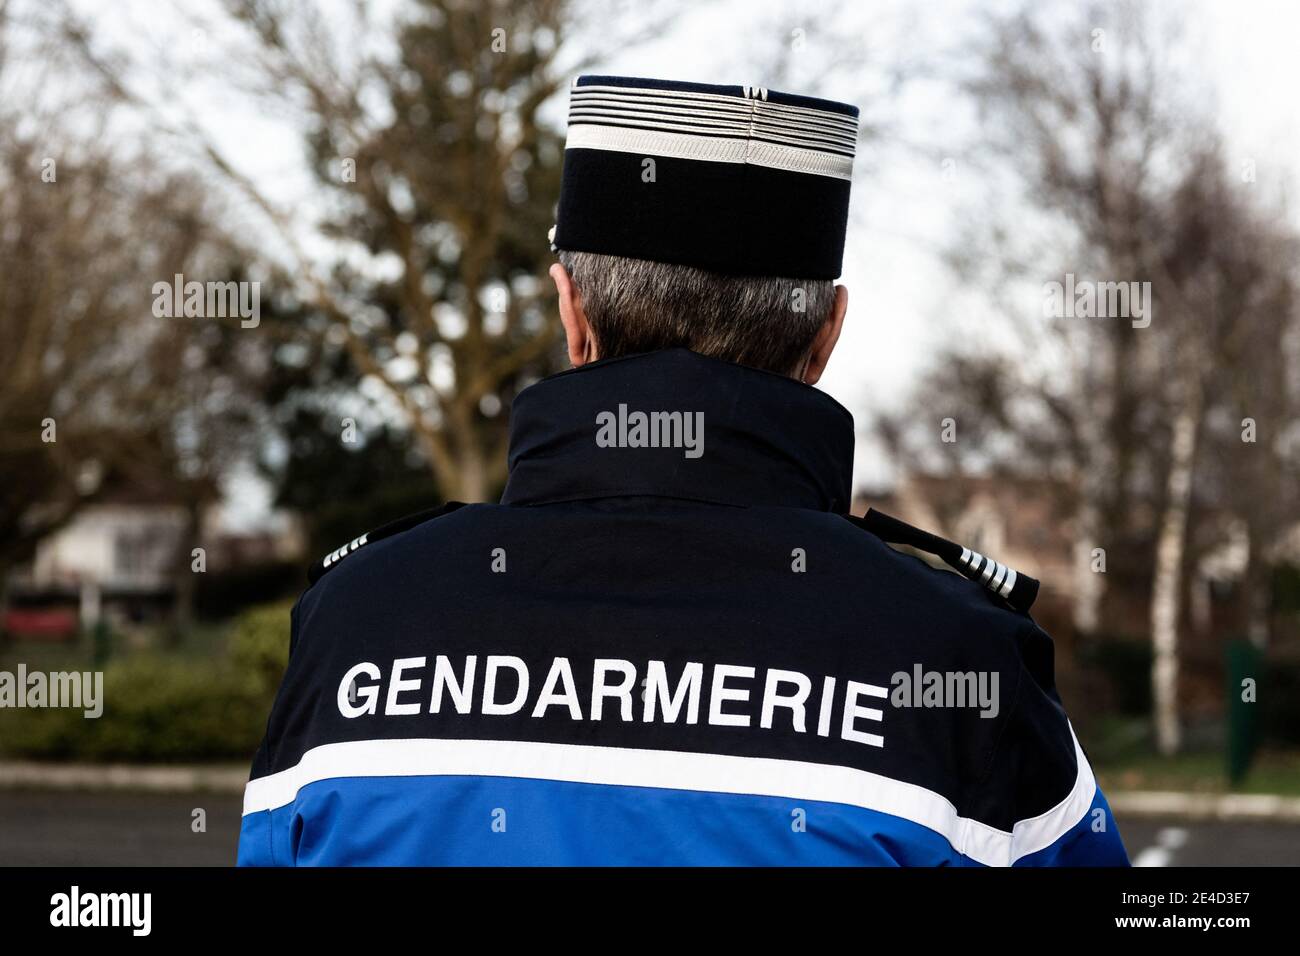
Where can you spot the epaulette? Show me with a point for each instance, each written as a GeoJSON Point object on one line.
{"type": "Point", "coordinates": [1018, 590]}
{"type": "Point", "coordinates": [332, 559]}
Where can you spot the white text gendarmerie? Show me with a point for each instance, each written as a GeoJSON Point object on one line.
{"type": "Point", "coordinates": [737, 695]}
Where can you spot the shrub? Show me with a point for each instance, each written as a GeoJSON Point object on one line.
{"type": "Point", "coordinates": [1125, 664]}
{"type": "Point", "coordinates": [219, 594]}
{"type": "Point", "coordinates": [1279, 701]}
{"type": "Point", "coordinates": [259, 645]}
{"type": "Point", "coordinates": [169, 708]}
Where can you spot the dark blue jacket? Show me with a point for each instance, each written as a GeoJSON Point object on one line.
{"type": "Point", "coordinates": [666, 645]}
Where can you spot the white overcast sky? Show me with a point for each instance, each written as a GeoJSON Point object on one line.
{"type": "Point", "coordinates": [903, 301]}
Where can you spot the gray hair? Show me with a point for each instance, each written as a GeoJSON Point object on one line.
{"type": "Point", "coordinates": [635, 305]}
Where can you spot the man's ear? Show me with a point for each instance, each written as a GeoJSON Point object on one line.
{"type": "Point", "coordinates": [826, 338]}
{"type": "Point", "coordinates": [577, 330]}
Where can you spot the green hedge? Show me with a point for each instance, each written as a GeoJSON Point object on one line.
{"type": "Point", "coordinates": [1279, 701]}
{"type": "Point", "coordinates": [169, 708]}
{"type": "Point", "coordinates": [1125, 665]}
{"type": "Point", "coordinates": [259, 646]}
{"type": "Point", "coordinates": [218, 593]}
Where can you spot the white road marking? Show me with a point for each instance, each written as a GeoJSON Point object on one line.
{"type": "Point", "coordinates": [1168, 839]}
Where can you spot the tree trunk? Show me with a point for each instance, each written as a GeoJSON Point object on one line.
{"type": "Point", "coordinates": [1256, 591]}
{"type": "Point", "coordinates": [183, 579]}
{"type": "Point", "coordinates": [473, 474]}
{"type": "Point", "coordinates": [1167, 590]}
{"type": "Point", "coordinates": [1090, 585]}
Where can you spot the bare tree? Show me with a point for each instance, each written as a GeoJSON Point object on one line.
{"type": "Point", "coordinates": [98, 390]}
{"type": "Point", "coordinates": [1114, 179]}
{"type": "Point", "coordinates": [438, 175]}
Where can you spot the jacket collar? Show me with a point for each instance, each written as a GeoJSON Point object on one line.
{"type": "Point", "coordinates": [743, 436]}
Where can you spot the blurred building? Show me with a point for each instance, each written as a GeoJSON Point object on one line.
{"type": "Point", "coordinates": [1015, 521]}
{"type": "Point", "coordinates": [128, 558]}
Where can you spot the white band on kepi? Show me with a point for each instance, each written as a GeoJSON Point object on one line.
{"type": "Point", "coordinates": [709, 149]}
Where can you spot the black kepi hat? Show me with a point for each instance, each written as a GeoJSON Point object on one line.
{"type": "Point", "coordinates": [733, 179]}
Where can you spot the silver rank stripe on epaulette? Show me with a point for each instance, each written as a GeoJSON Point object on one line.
{"type": "Point", "coordinates": [998, 578]}
{"type": "Point", "coordinates": [345, 550]}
